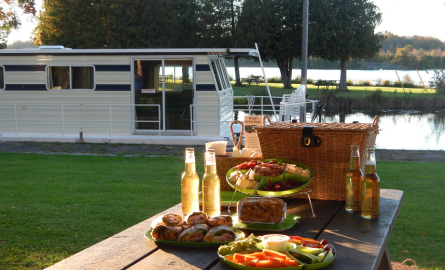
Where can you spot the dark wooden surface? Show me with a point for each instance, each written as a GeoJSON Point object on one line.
{"type": "Point", "coordinates": [360, 243]}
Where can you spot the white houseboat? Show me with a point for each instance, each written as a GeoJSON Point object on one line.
{"type": "Point", "coordinates": [172, 96]}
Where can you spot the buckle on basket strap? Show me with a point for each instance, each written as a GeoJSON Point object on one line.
{"type": "Point", "coordinates": [308, 139]}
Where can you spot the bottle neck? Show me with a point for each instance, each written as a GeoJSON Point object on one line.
{"type": "Point", "coordinates": [190, 167]}
{"type": "Point", "coordinates": [354, 163]}
{"type": "Point", "coordinates": [210, 169]}
{"type": "Point", "coordinates": [370, 168]}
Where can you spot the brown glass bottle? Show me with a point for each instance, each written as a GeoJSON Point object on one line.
{"type": "Point", "coordinates": [353, 181]}
{"type": "Point", "coordinates": [370, 203]}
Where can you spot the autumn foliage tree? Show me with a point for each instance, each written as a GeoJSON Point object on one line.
{"type": "Point", "coordinates": [9, 16]}
{"type": "Point", "coordinates": [342, 30]}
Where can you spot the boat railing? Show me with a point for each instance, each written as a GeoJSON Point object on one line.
{"type": "Point", "coordinates": [112, 120]}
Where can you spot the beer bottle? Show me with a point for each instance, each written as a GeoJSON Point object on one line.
{"type": "Point", "coordinates": [370, 203]}
{"type": "Point", "coordinates": [353, 181]}
{"type": "Point", "coordinates": [211, 200]}
{"type": "Point", "coordinates": [190, 184]}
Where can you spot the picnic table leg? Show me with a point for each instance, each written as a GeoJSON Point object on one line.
{"type": "Point", "coordinates": [385, 263]}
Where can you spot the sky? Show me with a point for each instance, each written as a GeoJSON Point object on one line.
{"type": "Point", "coordinates": [400, 17]}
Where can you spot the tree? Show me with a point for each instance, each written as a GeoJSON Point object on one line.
{"type": "Point", "coordinates": [438, 81]}
{"type": "Point", "coordinates": [9, 17]}
{"type": "Point", "coordinates": [218, 20]}
{"type": "Point", "coordinates": [276, 26]}
{"type": "Point", "coordinates": [344, 29]}
{"type": "Point", "coordinates": [403, 56]}
{"type": "Point", "coordinates": [119, 24]}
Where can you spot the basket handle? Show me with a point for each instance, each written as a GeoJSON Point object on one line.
{"type": "Point", "coordinates": [264, 120]}
{"type": "Point", "coordinates": [376, 121]}
{"type": "Point", "coordinates": [238, 145]}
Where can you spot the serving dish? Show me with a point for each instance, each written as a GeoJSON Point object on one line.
{"type": "Point", "coordinates": [265, 180]}
{"type": "Point", "coordinates": [260, 246]}
{"type": "Point", "coordinates": [238, 234]}
{"type": "Point", "coordinates": [287, 223]}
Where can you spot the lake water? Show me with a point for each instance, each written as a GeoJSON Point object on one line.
{"type": "Point", "coordinates": [334, 74]}
{"type": "Point", "coordinates": [407, 130]}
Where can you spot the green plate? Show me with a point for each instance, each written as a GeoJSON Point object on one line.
{"type": "Point", "coordinates": [287, 223]}
{"type": "Point", "coordinates": [226, 197]}
{"type": "Point", "coordinates": [283, 177]}
{"type": "Point", "coordinates": [315, 266]}
{"type": "Point", "coordinates": [238, 235]}
{"type": "Point", "coordinates": [242, 267]}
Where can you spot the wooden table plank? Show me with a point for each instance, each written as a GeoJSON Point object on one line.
{"type": "Point", "coordinates": [360, 241]}
{"type": "Point", "coordinates": [115, 252]}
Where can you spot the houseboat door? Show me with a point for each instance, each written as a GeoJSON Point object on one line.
{"type": "Point", "coordinates": [166, 82]}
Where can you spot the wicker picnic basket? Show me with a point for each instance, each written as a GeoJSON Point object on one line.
{"type": "Point", "coordinates": [324, 147]}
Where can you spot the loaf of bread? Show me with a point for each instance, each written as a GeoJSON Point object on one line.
{"type": "Point", "coordinates": [261, 210]}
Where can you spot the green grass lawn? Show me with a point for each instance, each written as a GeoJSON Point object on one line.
{"type": "Point", "coordinates": [52, 206]}
{"type": "Point", "coordinates": [277, 89]}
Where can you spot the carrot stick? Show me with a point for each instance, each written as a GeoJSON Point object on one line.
{"type": "Point", "coordinates": [268, 264]}
{"type": "Point", "coordinates": [274, 253]}
{"type": "Point", "coordinates": [239, 257]}
{"type": "Point", "coordinates": [248, 263]}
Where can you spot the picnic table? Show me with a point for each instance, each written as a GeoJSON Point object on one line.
{"type": "Point", "coordinates": [256, 80]}
{"type": "Point", "coordinates": [326, 83]}
{"type": "Point", "coordinates": [360, 243]}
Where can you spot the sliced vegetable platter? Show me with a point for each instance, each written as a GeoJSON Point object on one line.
{"type": "Point", "coordinates": [267, 180]}
{"type": "Point", "coordinates": [238, 254]}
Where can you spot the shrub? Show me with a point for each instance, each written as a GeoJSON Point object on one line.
{"type": "Point", "coordinates": [386, 83]}
{"type": "Point", "coordinates": [397, 84]}
{"type": "Point", "coordinates": [407, 81]}
{"type": "Point", "coordinates": [378, 82]}
{"type": "Point", "coordinates": [438, 81]}
{"type": "Point", "coordinates": [297, 80]}
{"type": "Point", "coordinates": [275, 80]}
{"type": "Point", "coordinates": [349, 83]}
{"type": "Point", "coordinates": [366, 83]}
{"type": "Point", "coordinates": [309, 81]}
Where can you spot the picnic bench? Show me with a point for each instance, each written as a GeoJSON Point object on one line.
{"type": "Point", "coordinates": [326, 83]}
{"type": "Point", "coordinates": [360, 243]}
{"type": "Point", "coordinates": [254, 79]}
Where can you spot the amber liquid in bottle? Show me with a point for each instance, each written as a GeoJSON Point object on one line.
{"type": "Point", "coordinates": [211, 200]}
{"type": "Point", "coordinates": [353, 181]}
{"type": "Point", "coordinates": [370, 203]}
{"type": "Point", "coordinates": [190, 184]}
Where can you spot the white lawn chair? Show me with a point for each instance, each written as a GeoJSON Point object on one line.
{"type": "Point", "coordinates": [292, 104]}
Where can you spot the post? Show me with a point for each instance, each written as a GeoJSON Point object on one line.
{"type": "Point", "coordinates": [305, 42]}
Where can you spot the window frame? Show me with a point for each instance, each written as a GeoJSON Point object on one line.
{"type": "Point", "coordinates": [70, 78]}
{"type": "Point", "coordinates": [3, 75]}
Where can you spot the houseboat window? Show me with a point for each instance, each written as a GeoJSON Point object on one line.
{"type": "Point", "coordinates": [68, 77]}
{"type": "Point", "coordinates": [2, 78]}
{"type": "Point", "coordinates": [220, 72]}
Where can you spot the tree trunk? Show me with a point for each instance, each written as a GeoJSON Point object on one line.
{"type": "Point", "coordinates": [237, 77]}
{"type": "Point", "coordinates": [343, 86]}
{"type": "Point", "coordinates": [285, 67]}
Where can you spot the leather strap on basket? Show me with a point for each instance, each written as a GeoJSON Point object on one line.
{"type": "Point", "coordinates": [238, 145]}
{"type": "Point", "coordinates": [264, 120]}
{"type": "Point", "coordinates": [308, 139]}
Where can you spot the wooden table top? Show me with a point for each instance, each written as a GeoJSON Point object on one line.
{"type": "Point", "coordinates": [360, 243]}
